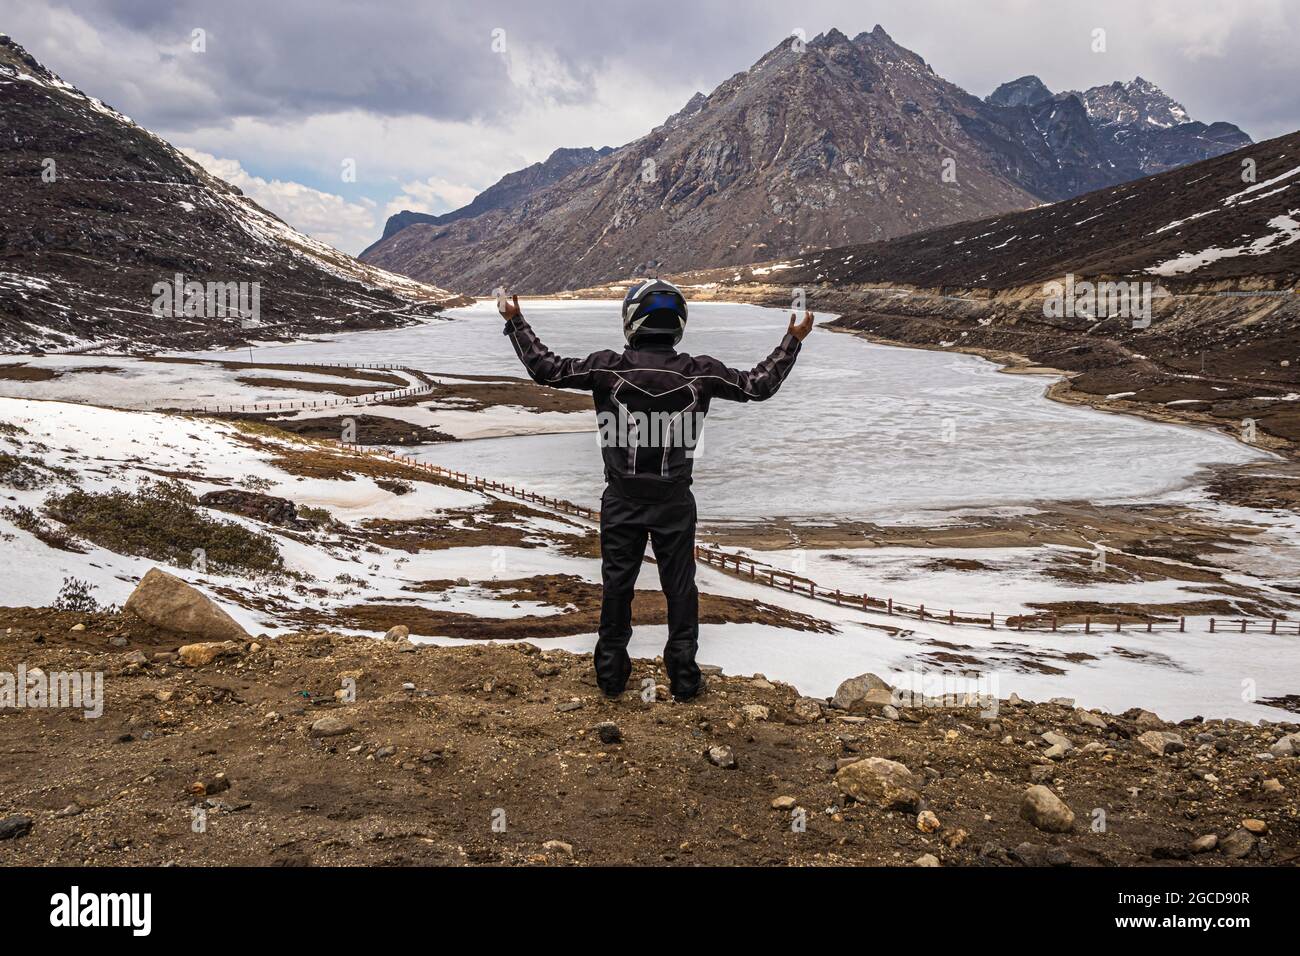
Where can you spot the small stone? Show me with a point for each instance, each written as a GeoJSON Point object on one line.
{"type": "Point", "coordinates": [1052, 738]}
{"type": "Point", "coordinates": [927, 860]}
{"type": "Point", "coordinates": [1056, 751]}
{"type": "Point", "coordinates": [568, 706]}
{"type": "Point", "coordinates": [1162, 742]}
{"type": "Point", "coordinates": [1237, 844]}
{"type": "Point", "coordinates": [78, 627]}
{"type": "Point", "coordinates": [955, 838]}
{"type": "Point", "coordinates": [755, 712]}
{"type": "Point", "coordinates": [889, 712]}
{"type": "Point", "coordinates": [558, 847]}
{"type": "Point", "coordinates": [1046, 810]}
{"type": "Point", "coordinates": [1089, 719]}
{"type": "Point", "coordinates": [1272, 785]}
{"type": "Point", "coordinates": [547, 669]}
{"type": "Point", "coordinates": [398, 632]}
{"type": "Point", "coordinates": [384, 752]}
{"type": "Point", "coordinates": [1204, 844]}
{"type": "Point", "coordinates": [1062, 701]}
{"type": "Point", "coordinates": [1288, 746]}
{"type": "Point", "coordinates": [15, 826]}
{"type": "Point", "coordinates": [1255, 826]}
{"type": "Point", "coordinates": [927, 822]}
{"type": "Point", "coordinates": [783, 803]}
{"type": "Point", "coordinates": [1145, 718]}
{"type": "Point", "coordinates": [807, 710]}
{"type": "Point", "coordinates": [721, 756]}
{"type": "Point", "coordinates": [609, 732]}
{"type": "Point", "coordinates": [330, 726]}
{"type": "Point", "coordinates": [197, 655]}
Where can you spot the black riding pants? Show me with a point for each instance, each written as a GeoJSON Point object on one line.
{"type": "Point", "coordinates": [626, 522]}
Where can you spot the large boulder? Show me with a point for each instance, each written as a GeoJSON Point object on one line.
{"type": "Point", "coordinates": [167, 602]}
{"type": "Point", "coordinates": [856, 689]}
{"type": "Point", "coordinates": [884, 783]}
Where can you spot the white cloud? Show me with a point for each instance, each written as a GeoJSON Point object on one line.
{"type": "Point", "coordinates": [349, 226]}
{"type": "Point", "coordinates": [432, 195]}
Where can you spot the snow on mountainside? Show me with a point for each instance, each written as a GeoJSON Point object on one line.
{"type": "Point", "coordinates": [1137, 101]}
{"type": "Point", "coordinates": [99, 210]}
{"type": "Point", "coordinates": [1204, 222]}
{"type": "Point", "coordinates": [820, 144]}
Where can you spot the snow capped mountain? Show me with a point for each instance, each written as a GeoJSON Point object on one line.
{"type": "Point", "coordinates": [819, 143]}
{"type": "Point", "coordinates": [100, 212]}
{"type": "Point", "coordinates": [1137, 101]}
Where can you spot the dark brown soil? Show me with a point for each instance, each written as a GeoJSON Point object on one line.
{"type": "Point", "coordinates": [581, 600]}
{"type": "Point", "coordinates": [421, 775]}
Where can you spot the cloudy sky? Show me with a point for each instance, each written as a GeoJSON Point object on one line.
{"type": "Point", "coordinates": [432, 101]}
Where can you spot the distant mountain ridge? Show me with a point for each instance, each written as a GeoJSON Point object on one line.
{"type": "Point", "coordinates": [827, 143]}
{"type": "Point", "coordinates": [509, 190]}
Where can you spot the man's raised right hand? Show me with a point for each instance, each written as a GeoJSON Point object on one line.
{"type": "Point", "coordinates": [800, 330]}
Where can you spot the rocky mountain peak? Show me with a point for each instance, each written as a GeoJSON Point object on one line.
{"type": "Point", "coordinates": [1024, 91]}
{"type": "Point", "coordinates": [1137, 101]}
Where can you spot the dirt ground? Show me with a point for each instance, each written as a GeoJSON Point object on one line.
{"type": "Point", "coordinates": [486, 754]}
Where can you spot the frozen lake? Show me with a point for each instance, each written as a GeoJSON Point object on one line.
{"type": "Point", "coordinates": [858, 430]}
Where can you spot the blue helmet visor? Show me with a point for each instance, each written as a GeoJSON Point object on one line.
{"type": "Point", "coordinates": [660, 300]}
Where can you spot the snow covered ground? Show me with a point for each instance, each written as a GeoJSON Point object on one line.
{"type": "Point", "coordinates": [1175, 674]}
{"type": "Point", "coordinates": [858, 430]}
{"type": "Point", "coordinates": [139, 383]}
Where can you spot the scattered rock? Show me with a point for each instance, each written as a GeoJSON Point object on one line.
{"type": "Point", "coordinates": [1204, 844]}
{"type": "Point", "coordinates": [1162, 742]}
{"type": "Point", "coordinates": [330, 726]}
{"type": "Point", "coordinates": [558, 847]}
{"type": "Point", "coordinates": [1144, 718]}
{"type": "Point", "coordinates": [1237, 844]}
{"type": "Point", "coordinates": [721, 756]}
{"type": "Point", "coordinates": [884, 783]}
{"type": "Point", "coordinates": [1288, 746]}
{"type": "Point", "coordinates": [167, 602]}
{"type": "Point", "coordinates": [955, 838]}
{"type": "Point", "coordinates": [1089, 719]}
{"type": "Point", "coordinates": [889, 712]}
{"type": "Point", "coordinates": [755, 712]}
{"type": "Point", "coordinates": [784, 803]}
{"type": "Point", "coordinates": [1046, 810]}
{"type": "Point", "coordinates": [197, 655]}
{"type": "Point", "coordinates": [398, 632]}
{"type": "Point", "coordinates": [609, 732]}
{"type": "Point", "coordinates": [1255, 826]}
{"type": "Point", "coordinates": [568, 706]}
{"type": "Point", "coordinates": [15, 826]}
{"type": "Point", "coordinates": [855, 689]}
{"type": "Point", "coordinates": [927, 822]}
{"type": "Point", "coordinates": [927, 859]}
{"type": "Point", "coordinates": [807, 710]}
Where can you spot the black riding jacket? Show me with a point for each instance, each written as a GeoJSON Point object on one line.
{"type": "Point", "coordinates": [651, 401]}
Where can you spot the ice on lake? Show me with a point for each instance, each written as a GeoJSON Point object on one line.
{"type": "Point", "coordinates": [858, 430]}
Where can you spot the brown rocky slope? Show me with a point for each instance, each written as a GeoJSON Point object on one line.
{"type": "Point", "coordinates": [505, 754]}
